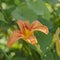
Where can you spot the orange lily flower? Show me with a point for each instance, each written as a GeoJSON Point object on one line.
{"type": "Point", "coordinates": [26, 32]}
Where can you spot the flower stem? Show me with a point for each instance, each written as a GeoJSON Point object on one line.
{"type": "Point", "coordinates": [39, 51]}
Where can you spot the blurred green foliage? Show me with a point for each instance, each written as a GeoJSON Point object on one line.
{"type": "Point", "coordinates": [46, 11]}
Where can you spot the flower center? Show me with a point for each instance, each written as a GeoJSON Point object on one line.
{"type": "Point", "coordinates": [27, 33]}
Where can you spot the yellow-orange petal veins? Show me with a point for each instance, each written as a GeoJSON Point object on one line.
{"type": "Point", "coordinates": [39, 27]}
{"type": "Point", "coordinates": [14, 37]}
{"type": "Point", "coordinates": [58, 47]}
{"type": "Point", "coordinates": [32, 40]}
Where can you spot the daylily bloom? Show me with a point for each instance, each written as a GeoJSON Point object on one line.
{"type": "Point", "coordinates": [26, 32]}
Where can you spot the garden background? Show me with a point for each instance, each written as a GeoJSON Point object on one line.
{"type": "Point", "coordinates": [45, 11]}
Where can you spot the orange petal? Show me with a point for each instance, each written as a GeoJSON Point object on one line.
{"type": "Point", "coordinates": [21, 25]}
{"type": "Point", "coordinates": [27, 25]}
{"type": "Point", "coordinates": [35, 24]}
{"type": "Point", "coordinates": [58, 47]}
{"type": "Point", "coordinates": [14, 37]}
{"type": "Point", "coordinates": [32, 40]}
{"type": "Point", "coordinates": [38, 26]}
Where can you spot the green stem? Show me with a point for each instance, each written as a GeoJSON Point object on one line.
{"type": "Point", "coordinates": [6, 55]}
{"type": "Point", "coordinates": [49, 49]}
{"type": "Point", "coordinates": [39, 51]}
{"type": "Point", "coordinates": [51, 54]}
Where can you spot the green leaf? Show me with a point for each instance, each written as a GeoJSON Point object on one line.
{"type": "Point", "coordinates": [19, 58]}
{"type": "Point", "coordinates": [44, 40]}
{"type": "Point", "coordinates": [58, 11]}
{"type": "Point", "coordinates": [38, 6]}
{"type": "Point", "coordinates": [56, 56]}
{"type": "Point", "coordinates": [49, 55]}
{"type": "Point", "coordinates": [24, 13]}
{"type": "Point", "coordinates": [4, 26]}
{"type": "Point", "coordinates": [17, 2]}
{"type": "Point", "coordinates": [1, 16]}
